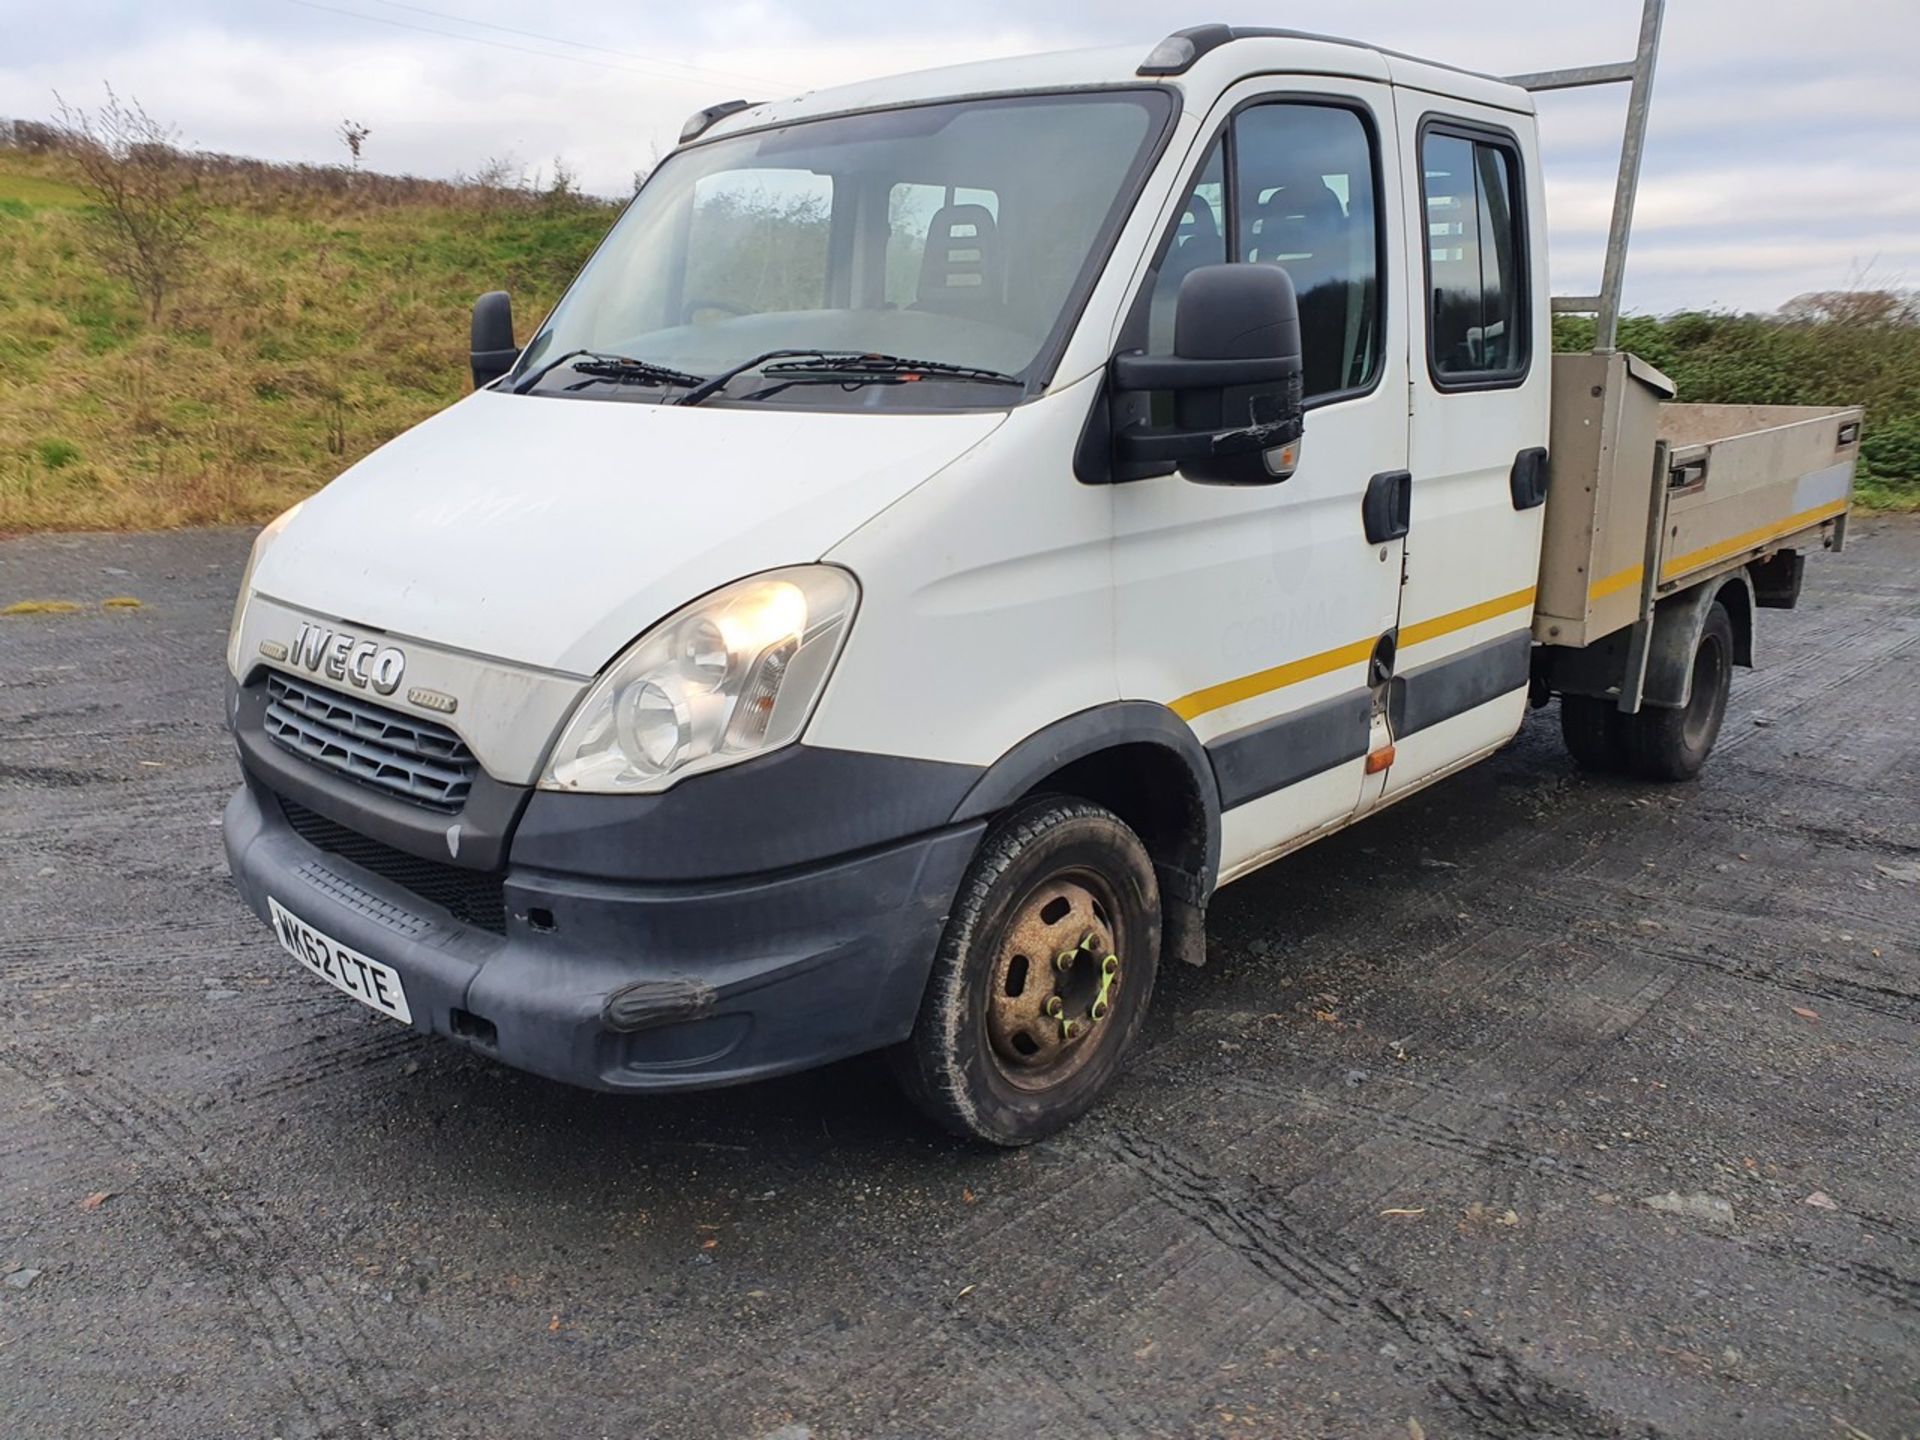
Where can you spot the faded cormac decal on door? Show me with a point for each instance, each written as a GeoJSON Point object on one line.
{"type": "Point", "coordinates": [365, 664]}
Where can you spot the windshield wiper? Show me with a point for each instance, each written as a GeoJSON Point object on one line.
{"type": "Point", "coordinates": [639, 372]}
{"type": "Point", "coordinates": [602, 366]}
{"type": "Point", "coordinates": [848, 367]}
{"type": "Point", "coordinates": [896, 367]}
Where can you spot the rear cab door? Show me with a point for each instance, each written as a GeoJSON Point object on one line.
{"type": "Point", "coordinates": [1255, 612]}
{"type": "Point", "coordinates": [1478, 392]}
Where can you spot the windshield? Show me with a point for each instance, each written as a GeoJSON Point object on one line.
{"type": "Point", "coordinates": [962, 234]}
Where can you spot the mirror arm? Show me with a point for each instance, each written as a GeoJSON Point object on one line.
{"type": "Point", "coordinates": [1138, 446]}
{"type": "Point", "coordinates": [491, 363]}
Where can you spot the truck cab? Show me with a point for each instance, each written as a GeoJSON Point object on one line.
{"type": "Point", "coordinates": [953, 525]}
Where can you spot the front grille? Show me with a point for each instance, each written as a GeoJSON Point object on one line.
{"type": "Point", "coordinates": [473, 897]}
{"type": "Point", "coordinates": [414, 759]}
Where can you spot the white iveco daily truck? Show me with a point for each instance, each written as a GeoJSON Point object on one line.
{"type": "Point", "coordinates": [952, 526]}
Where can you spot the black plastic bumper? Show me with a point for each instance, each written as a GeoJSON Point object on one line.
{"type": "Point", "coordinates": [620, 985]}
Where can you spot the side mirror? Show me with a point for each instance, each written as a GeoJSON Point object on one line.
{"type": "Point", "coordinates": [1235, 375]}
{"type": "Point", "coordinates": [492, 352]}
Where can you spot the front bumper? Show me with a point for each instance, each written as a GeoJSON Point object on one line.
{"type": "Point", "coordinates": [638, 986]}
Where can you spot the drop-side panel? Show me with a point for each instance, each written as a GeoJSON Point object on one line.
{"type": "Point", "coordinates": [1738, 482]}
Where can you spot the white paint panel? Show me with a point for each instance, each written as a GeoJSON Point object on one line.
{"type": "Point", "coordinates": [1437, 747]}
{"type": "Point", "coordinates": [986, 609]}
{"type": "Point", "coordinates": [1248, 833]}
{"type": "Point", "coordinates": [550, 532]}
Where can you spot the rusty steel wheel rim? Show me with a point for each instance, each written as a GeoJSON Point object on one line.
{"type": "Point", "coordinates": [1055, 982]}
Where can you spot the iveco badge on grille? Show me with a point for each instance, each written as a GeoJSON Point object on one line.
{"type": "Point", "coordinates": [365, 664]}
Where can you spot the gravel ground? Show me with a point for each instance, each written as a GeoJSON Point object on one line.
{"type": "Point", "coordinates": [1538, 1105]}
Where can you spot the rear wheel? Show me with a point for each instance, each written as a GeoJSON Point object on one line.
{"type": "Point", "coordinates": [1042, 978]}
{"type": "Point", "coordinates": [1667, 744]}
{"type": "Point", "coordinates": [1595, 732]}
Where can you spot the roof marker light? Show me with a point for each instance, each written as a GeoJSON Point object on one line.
{"type": "Point", "coordinates": [702, 121]}
{"type": "Point", "coordinates": [1175, 54]}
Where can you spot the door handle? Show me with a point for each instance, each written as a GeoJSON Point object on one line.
{"type": "Point", "coordinates": [1528, 479]}
{"type": "Point", "coordinates": [1387, 512]}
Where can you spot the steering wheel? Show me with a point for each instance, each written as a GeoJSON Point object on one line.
{"type": "Point", "coordinates": [694, 306]}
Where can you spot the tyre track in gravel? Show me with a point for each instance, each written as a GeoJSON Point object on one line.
{"type": "Point", "coordinates": [1758, 963]}
{"type": "Point", "coordinates": [317, 1347]}
{"type": "Point", "coordinates": [1813, 664]}
{"type": "Point", "coordinates": [1379, 1124]}
{"type": "Point", "coordinates": [319, 1059]}
{"type": "Point", "coordinates": [1487, 1386]}
{"type": "Point", "coordinates": [903, 1354]}
{"type": "Point", "coordinates": [1833, 836]}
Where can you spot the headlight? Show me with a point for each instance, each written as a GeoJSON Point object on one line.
{"type": "Point", "coordinates": [262, 543]}
{"type": "Point", "coordinates": [731, 676]}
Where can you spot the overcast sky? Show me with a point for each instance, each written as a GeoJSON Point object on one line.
{"type": "Point", "coordinates": [1784, 154]}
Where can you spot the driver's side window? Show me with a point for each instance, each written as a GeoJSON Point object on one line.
{"type": "Point", "coordinates": [1303, 197]}
{"type": "Point", "coordinates": [1201, 239]}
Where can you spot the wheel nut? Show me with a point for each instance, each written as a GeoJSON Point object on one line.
{"type": "Point", "coordinates": [1099, 1010]}
{"type": "Point", "coordinates": [1063, 962]}
{"type": "Point", "coordinates": [1069, 1029]}
{"type": "Point", "coordinates": [1056, 1007]}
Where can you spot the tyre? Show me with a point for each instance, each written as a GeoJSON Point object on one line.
{"type": "Point", "coordinates": [1595, 732]}
{"type": "Point", "coordinates": [1042, 978]}
{"type": "Point", "coordinates": [1673, 744]}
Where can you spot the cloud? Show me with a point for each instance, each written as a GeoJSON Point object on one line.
{"type": "Point", "coordinates": [1781, 155]}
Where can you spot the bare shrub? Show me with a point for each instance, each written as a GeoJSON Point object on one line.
{"type": "Point", "coordinates": [1855, 309]}
{"type": "Point", "coordinates": [563, 191]}
{"type": "Point", "coordinates": [149, 212]}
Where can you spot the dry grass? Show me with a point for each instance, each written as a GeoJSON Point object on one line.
{"type": "Point", "coordinates": [320, 320]}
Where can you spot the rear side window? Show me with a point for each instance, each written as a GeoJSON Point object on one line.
{"type": "Point", "coordinates": [1477, 330]}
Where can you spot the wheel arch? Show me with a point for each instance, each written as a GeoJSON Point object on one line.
{"type": "Point", "coordinates": [1737, 594]}
{"type": "Point", "coordinates": [1142, 762]}
{"type": "Point", "coordinates": [1677, 625]}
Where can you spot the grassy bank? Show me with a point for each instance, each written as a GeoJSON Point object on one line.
{"type": "Point", "coordinates": [316, 324]}
{"type": "Point", "coordinates": [327, 312]}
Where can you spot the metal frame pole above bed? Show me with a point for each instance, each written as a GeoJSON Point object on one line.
{"type": "Point", "coordinates": [1637, 73]}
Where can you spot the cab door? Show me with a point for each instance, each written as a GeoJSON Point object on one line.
{"type": "Point", "coordinates": [1257, 613]}
{"type": "Point", "coordinates": [1479, 384]}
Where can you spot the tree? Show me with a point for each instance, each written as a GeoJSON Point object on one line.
{"type": "Point", "coordinates": [148, 212]}
{"type": "Point", "coordinates": [353, 135]}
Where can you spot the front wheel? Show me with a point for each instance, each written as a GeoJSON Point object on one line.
{"type": "Point", "coordinates": [1674, 744]}
{"type": "Point", "coordinates": [1042, 977]}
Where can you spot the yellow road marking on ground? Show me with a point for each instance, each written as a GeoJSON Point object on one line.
{"type": "Point", "coordinates": [40, 607]}
{"type": "Point", "coordinates": [1752, 539]}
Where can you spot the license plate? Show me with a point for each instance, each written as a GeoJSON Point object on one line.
{"type": "Point", "coordinates": [374, 985]}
